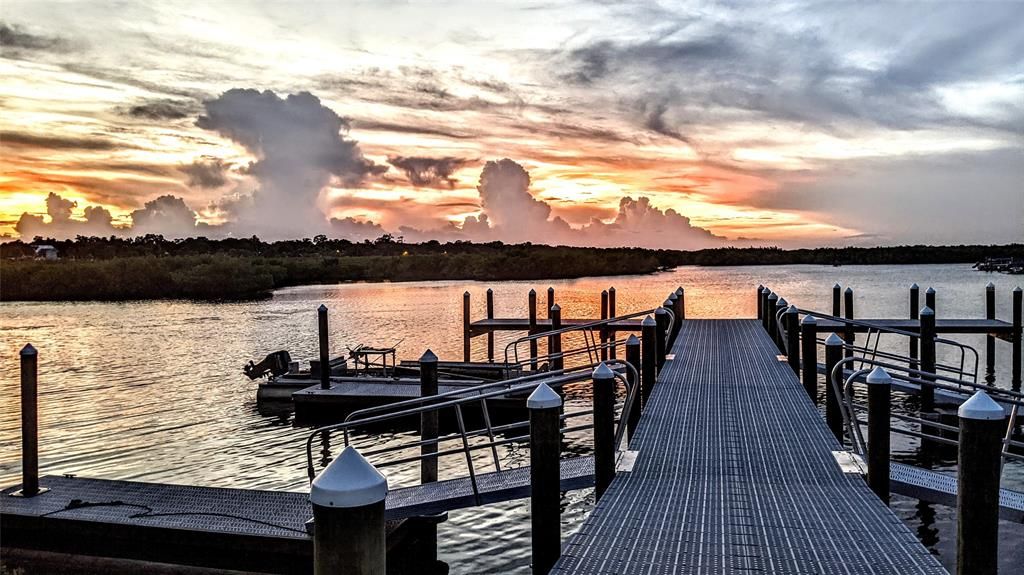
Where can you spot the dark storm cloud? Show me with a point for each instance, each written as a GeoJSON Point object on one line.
{"type": "Point", "coordinates": [163, 110]}
{"type": "Point", "coordinates": [14, 37]}
{"type": "Point", "coordinates": [429, 172]}
{"type": "Point", "coordinates": [206, 172]}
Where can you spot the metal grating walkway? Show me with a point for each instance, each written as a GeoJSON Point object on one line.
{"type": "Point", "coordinates": [735, 475]}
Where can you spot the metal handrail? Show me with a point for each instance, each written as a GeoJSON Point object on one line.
{"type": "Point", "coordinates": [423, 405]}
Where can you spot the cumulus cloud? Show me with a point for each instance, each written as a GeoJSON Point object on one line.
{"type": "Point", "coordinates": [206, 172]}
{"type": "Point", "coordinates": [429, 172]}
{"type": "Point", "coordinates": [168, 216]}
{"type": "Point", "coordinates": [300, 147]}
{"type": "Point", "coordinates": [97, 221]}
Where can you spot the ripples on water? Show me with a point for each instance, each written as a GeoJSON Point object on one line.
{"type": "Point", "coordinates": [153, 391]}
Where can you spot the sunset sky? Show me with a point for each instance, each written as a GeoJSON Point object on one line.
{"type": "Point", "coordinates": [684, 125]}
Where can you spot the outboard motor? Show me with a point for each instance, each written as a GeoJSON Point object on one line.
{"type": "Point", "coordinates": [274, 364]}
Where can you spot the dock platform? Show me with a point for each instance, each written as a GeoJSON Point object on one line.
{"type": "Point", "coordinates": [735, 474]}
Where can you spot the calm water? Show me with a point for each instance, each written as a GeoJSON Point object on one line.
{"type": "Point", "coordinates": [153, 391]}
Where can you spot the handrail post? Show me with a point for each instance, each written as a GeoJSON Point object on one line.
{"type": "Point", "coordinates": [927, 330]}
{"type": "Point", "coordinates": [681, 301]}
{"type": "Point", "coordinates": [760, 304]}
{"type": "Point", "coordinates": [879, 397]}
{"type": "Point", "coordinates": [773, 300]}
{"type": "Point", "coordinates": [809, 353]}
{"type": "Point", "coordinates": [661, 319]}
{"type": "Point", "coordinates": [466, 330]}
{"type": "Point", "coordinates": [781, 307]}
{"type": "Point", "coordinates": [833, 355]}
{"type": "Point", "coordinates": [604, 429]}
{"type": "Point", "coordinates": [990, 340]}
{"type": "Point", "coordinates": [613, 352]}
{"type": "Point", "coordinates": [848, 335]}
{"type": "Point", "coordinates": [533, 328]}
{"type": "Point", "coordinates": [1018, 335]}
{"type": "Point", "coordinates": [325, 352]}
{"type": "Point", "coordinates": [765, 292]}
{"type": "Point", "coordinates": [792, 320]}
{"type": "Point", "coordinates": [348, 517]}
{"type": "Point", "coordinates": [551, 300]}
{"type": "Point", "coordinates": [979, 466]}
{"type": "Point", "coordinates": [649, 358]}
{"type": "Point", "coordinates": [428, 419]}
{"type": "Point", "coordinates": [603, 330]}
{"type": "Point", "coordinates": [837, 296]}
{"type": "Point", "coordinates": [633, 359]}
{"type": "Point", "coordinates": [929, 299]}
{"type": "Point", "coordinates": [555, 341]}
{"type": "Point", "coordinates": [545, 478]}
{"type": "Point", "coordinates": [490, 332]}
{"type": "Point", "coordinates": [29, 422]}
{"type": "Point", "coordinates": [915, 306]}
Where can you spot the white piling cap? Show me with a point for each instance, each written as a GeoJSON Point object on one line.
{"type": "Point", "coordinates": [927, 311]}
{"type": "Point", "coordinates": [648, 322]}
{"type": "Point", "coordinates": [428, 357]}
{"type": "Point", "coordinates": [602, 371]}
{"type": "Point", "coordinates": [349, 481]}
{"type": "Point", "coordinates": [543, 398]}
{"type": "Point", "coordinates": [632, 339]}
{"type": "Point", "coordinates": [773, 295]}
{"type": "Point", "coordinates": [990, 286]}
{"type": "Point", "coordinates": [914, 286]}
{"type": "Point", "coordinates": [808, 320]}
{"type": "Point", "coordinates": [833, 339]}
{"type": "Point", "coordinates": [981, 406]}
{"type": "Point", "coordinates": [879, 376]}
{"type": "Point", "coordinates": [930, 290]}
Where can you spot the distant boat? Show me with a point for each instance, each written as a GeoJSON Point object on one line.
{"type": "Point", "coordinates": [1004, 265]}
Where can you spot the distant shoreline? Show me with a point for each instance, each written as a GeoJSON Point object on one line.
{"type": "Point", "coordinates": [150, 268]}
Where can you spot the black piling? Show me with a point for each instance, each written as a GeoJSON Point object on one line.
{"type": "Point", "coordinates": [915, 306]}
{"type": "Point", "coordinates": [990, 340]}
{"type": "Point", "coordinates": [879, 397]}
{"type": "Point", "coordinates": [555, 341]}
{"type": "Point", "coordinates": [833, 355]}
{"type": "Point", "coordinates": [792, 319]}
{"type": "Point", "coordinates": [848, 335]}
{"type": "Point", "coordinates": [613, 352]}
{"type": "Point", "coordinates": [929, 299]}
{"type": "Point", "coordinates": [760, 304]}
{"type": "Point", "coordinates": [428, 419]}
{"type": "Point", "coordinates": [649, 358]}
{"type": "Point", "coordinates": [545, 489]}
{"type": "Point", "coordinates": [773, 300]}
{"type": "Point", "coordinates": [325, 351]}
{"type": "Point", "coordinates": [466, 320]}
{"type": "Point", "coordinates": [604, 429]}
{"type": "Point", "coordinates": [661, 318]}
{"type": "Point", "coordinates": [633, 359]}
{"type": "Point", "coordinates": [837, 300]}
{"type": "Point", "coordinates": [781, 307]}
{"type": "Point", "coordinates": [603, 331]}
{"type": "Point", "coordinates": [809, 355]}
{"type": "Point", "coordinates": [765, 292]}
{"type": "Point", "coordinates": [979, 466]}
{"type": "Point", "coordinates": [927, 331]}
{"type": "Point", "coordinates": [532, 304]}
{"type": "Point", "coordinates": [29, 422]}
{"type": "Point", "coordinates": [551, 300]}
{"type": "Point", "coordinates": [1018, 336]}
{"type": "Point", "coordinates": [490, 333]}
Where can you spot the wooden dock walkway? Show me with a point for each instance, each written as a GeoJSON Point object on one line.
{"type": "Point", "coordinates": [735, 474]}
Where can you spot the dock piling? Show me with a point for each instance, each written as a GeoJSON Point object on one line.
{"type": "Point", "coordinates": [879, 406]}
{"type": "Point", "coordinates": [555, 341]}
{"type": "Point", "coordinates": [466, 320]}
{"type": "Point", "coordinates": [848, 335]}
{"type": "Point", "coordinates": [1018, 336]}
{"type": "Point", "coordinates": [929, 298]}
{"type": "Point", "coordinates": [649, 361]}
{"type": "Point", "coordinates": [915, 306]}
{"type": "Point", "coordinates": [325, 351]}
{"type": "Point", "coordinates": [809, 354]}
{"type": "Point", "coordinates": [661, 337]}
{"type": "Point", "coordinates": [792, 319]}
{"type": "Point", "coordinates": [927, 331]}
{"type": "Point", "coordinates": [990, 340]}
{"type": "Point", "coordinates": [837, 295]}
{"type": "Point", "coordinates": [979, 466]}
{"type": "Point", "coordinates": [29, 422]}
{"type": "Point", "coordinates": [773, 300]}
{"type": "Point", "coordinates": [490, 333]}
{"type": "Point", "coordinates": [680, 311]}
{"type": "Point", "coordinates": [781, 307]}
{"type": "Point", "coordinates": [604, 428]}
{"type": "Point", "coordinates": [428, 419]}
{"type": "Point", "coordinates": [760, 304]}
{"type": "Point", "coordinates": [613, 352]}
{"type": "Point", "coordinates": [765, 292]}
{"type": "Point", "coordinates": [545, 512]}
{"type": "Point", "coordinates": [532, 304]}
{"type": "Point", "coordinates": [603, 331]}
{"type": "Point", "coordinates": [348, 517]}
{"type": "Point", "coordinates": [551, 300]}
{"type": "Point", "coordinates": [833, 355]}
{"type": "Point", "coordinates": [633, 359]}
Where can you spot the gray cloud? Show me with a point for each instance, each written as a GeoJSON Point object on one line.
{"type": "Point", "coordinates": [163, 110]}
{"type": "Point", "coordinates": [97, 221]}
{"type": "Point", "coordinates": [206, 172]}
{"type": "Point", "coordinates": [29, 140]}
{"type": "Point", "coordinates": [15, 37]}
{"type": "Point", "coordinates": [429, 172]}
{"type": "Point", "coordinates": [168, 216]}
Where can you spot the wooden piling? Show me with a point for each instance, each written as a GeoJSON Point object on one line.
{"type": "Point", "coordinates": [490, 333]}
{"type": "Point", "coordinates": [809, 355]}
{"type": "Point", "coordinates": [555, 341]}
{"type": "Point", "coordinates": [1018, 339]}
{"type": "Point", "coordinates": [545, 489]}
{"type": "Point", "coordinates": [792, 320]}
{"type": "Point", "coordinates": [680, 311]}
{"type": "Point", "coordinates": [29, 422]}
{"type": "Point", "coordinates": [915, 306]}
{"type": "Point", "coordinates": [927, 331]}
{"type": "Point", "coordinates": [633, 359]}
{"type": "Point", "coordinates": [466, 336]}
{"type": "Point", "coordinates": [532, 304]}
{"type": "Point", "coordinates": [551, 300]}
{"type": "Point", "coordinates": [604, 428]}
{"type": "Point", "coordinates": [428, 419]}
{"type": "Point", "coordinates": [325, 352]}
{"type": "Point", "coordinates": [649, 358]}
{"type": "Point", "coordinates": [929, 299]}
{"type": "Point", "coordinates": [879, 406]}
{"type": "Point", "coordinates": [348, 516]}
{"type": "Point", "coordinates": [661, 319]}
{"type": "Point", "coordinates": [979, 467]}
{"type": "Point", "coordinates": [848, 334]}
{"type": "Point", "coordinates": [603, 331]}
{"type": "Point", "coordinates": [837, 296]}
{"type": "Point", "coordinates": [990, 340]}
{"type": "Point", "coordinates": [833, 355]}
